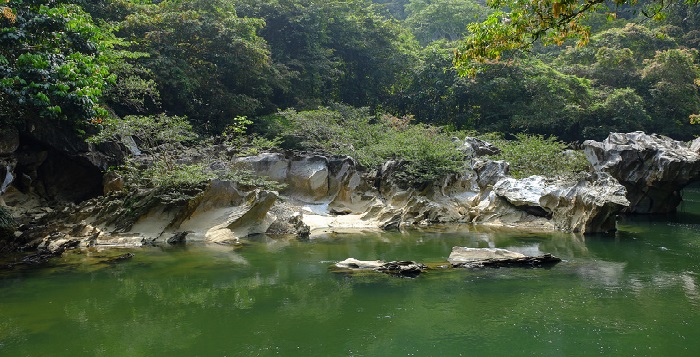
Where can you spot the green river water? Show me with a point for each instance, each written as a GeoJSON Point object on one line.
{"type": "Point", "coordinates": [636, 293]}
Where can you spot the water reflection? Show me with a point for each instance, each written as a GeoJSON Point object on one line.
{"type": "Point", "coordinates": [635, 290]}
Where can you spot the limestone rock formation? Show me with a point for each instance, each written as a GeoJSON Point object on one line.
{"type": "Point", "coordinates": [464, 257]}
{"type": "Point", "coordinates": [223, 212]}
{"type": "Point", "coordinates": [488, 172]}
{"type": "Point", "coordinates": [326, 194]}
{"type": "Point", "coordinates": [333, 193]}
{"type": "Point", "coordinates": [588, 205]}
{"type": "Point", "coordinates": [7, 228]}
{"type": "Point", "coordinates": [653, 168]}
{"type": "Point", "coordinates": [49, 158]}
{"type": "Point", "coordinates": [523, 192]}
{"type": "Point", "coordinates": [591, 205]}
{"type": "Point", "coordinates": [474, 147]}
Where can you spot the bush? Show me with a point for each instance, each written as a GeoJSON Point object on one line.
{"type": "Point", "coordinates": [150, 130]}
{"type": "Point", "coordinates": [338, 129]}
{"type": "Point", "coordinates": [535, 155]}
{"type": "Point", "coordinates": [164, 170]}
{"type": "Point", "coordinates": [236, 135]}
{"type": "Point", "coordinates": [168, 176]}
{"type": "Point", "coordinates": [426, 152]}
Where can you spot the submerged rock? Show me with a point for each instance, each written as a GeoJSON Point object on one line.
{"type": "Point", "coordinates": [408, 269]}
{"type": "Point", "coordinates": [119, 258]}
{"type": "Point", "coordinates": [178, 238]}
{"type": "Point", "coordinates": [52, 246]}
{"type": "Point", "coordinates": [463, 257]}
{"type": "Point", "coordinates": [653, 168]}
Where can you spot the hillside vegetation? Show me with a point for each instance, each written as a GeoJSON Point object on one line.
{"type": "Point", "coordinates": [374, 79]}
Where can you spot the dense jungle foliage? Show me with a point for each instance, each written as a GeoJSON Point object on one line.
{"type": "Point", "coordinates": [291, 72]}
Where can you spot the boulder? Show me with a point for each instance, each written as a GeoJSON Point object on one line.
{"type": "Point", "coordinates": [308, 177]}
{"type": "Point", "coordinates": [653, 168]}
{"type": "Point", "coordinates": [224, 212]}
{"type": "Point", "coordinates": [8, 225]}
{"type": "Point", "coordinates": [178, 238]}
{"type": "Point", "coordinates": [489, 172]}
{"type": "Point", "coordinates": [301, 229]}
{"type": "Point", "coordinates": [588, 205]}
{"type": "Point", "coordinates": [112, 182]}
{"type": "Point", "coordinates": [406, 268]}
{"type": "Point", "coordinates": [253, 218]}
{"type": "Point", "coordinates": [473, 147]}
{"type": "Point", "coordinates": [591, 205]}
{"type": "Point", "coordinates": [464, 257]}
{"type": "Point", "coordinates": [275, 166]}
{"type": "Point", "coordinates": [524, 192]}
{"type": "Point", "coordinates": [335, 181]}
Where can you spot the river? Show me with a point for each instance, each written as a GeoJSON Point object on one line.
{"type": "Point", "coordinates": [636, 293]}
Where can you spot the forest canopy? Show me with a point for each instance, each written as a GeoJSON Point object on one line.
{"type": "Point", "coordinates": [217, 61]}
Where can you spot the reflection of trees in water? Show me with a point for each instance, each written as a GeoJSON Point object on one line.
{"type": "Point", "coordinates": [277, 295]}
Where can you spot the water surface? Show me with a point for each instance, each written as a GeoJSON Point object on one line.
{"type": "Point", "coordinates": [634, 293]}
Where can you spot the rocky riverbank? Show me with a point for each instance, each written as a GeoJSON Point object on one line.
{"type": "Point", "coordinates": [333, 193]}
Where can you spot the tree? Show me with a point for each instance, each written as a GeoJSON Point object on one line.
{"type": "Point", "coordinates": [432, 20]}
{"type": "Point", "coordinates": [394, 7]}
{"type": "Point", "coordinates": [334, 51]}
{"type": "Point", "coordinates": [674, 89]}
{"type": "Point", "coordinates": [434, 93]}
{"type": "Point", "coordinates": [375, 53]}
{"type": "Point", "coordinates": [298, 37]}
{"type": "Point", "coordinates": [614, 57]}
{"type": "Point", "coordinates": [548, 21]}
{"type": "Point", "coordinates": [621, 110]}
{"type": "Point", "coordinates": [552, 102]}
{"type": "Point", "coordinates": [210, 64]}
{"type": "Point", "coordinates": [53, 62]}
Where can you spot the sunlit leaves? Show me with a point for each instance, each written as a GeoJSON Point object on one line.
{"type": "Point", "coordinates": [521, 23]}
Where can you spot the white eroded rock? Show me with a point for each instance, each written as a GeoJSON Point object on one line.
{"type": "Point", "coordinates": [333, 193]}
{"type": "Point", "coordinates": [653, 168]}
{"type": "Point", "coordinates": [352, 263]}
{"type": "Point", "coordinates": [272, 165]}
{"type": "Point", "coordinates": [523, 192]}
{"type": "Point", "coordinates": [465, 254]}
{"type": "Point", "coordinates": [309, 177]}
{"type": "Point", "coordinates": [590, 204]}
